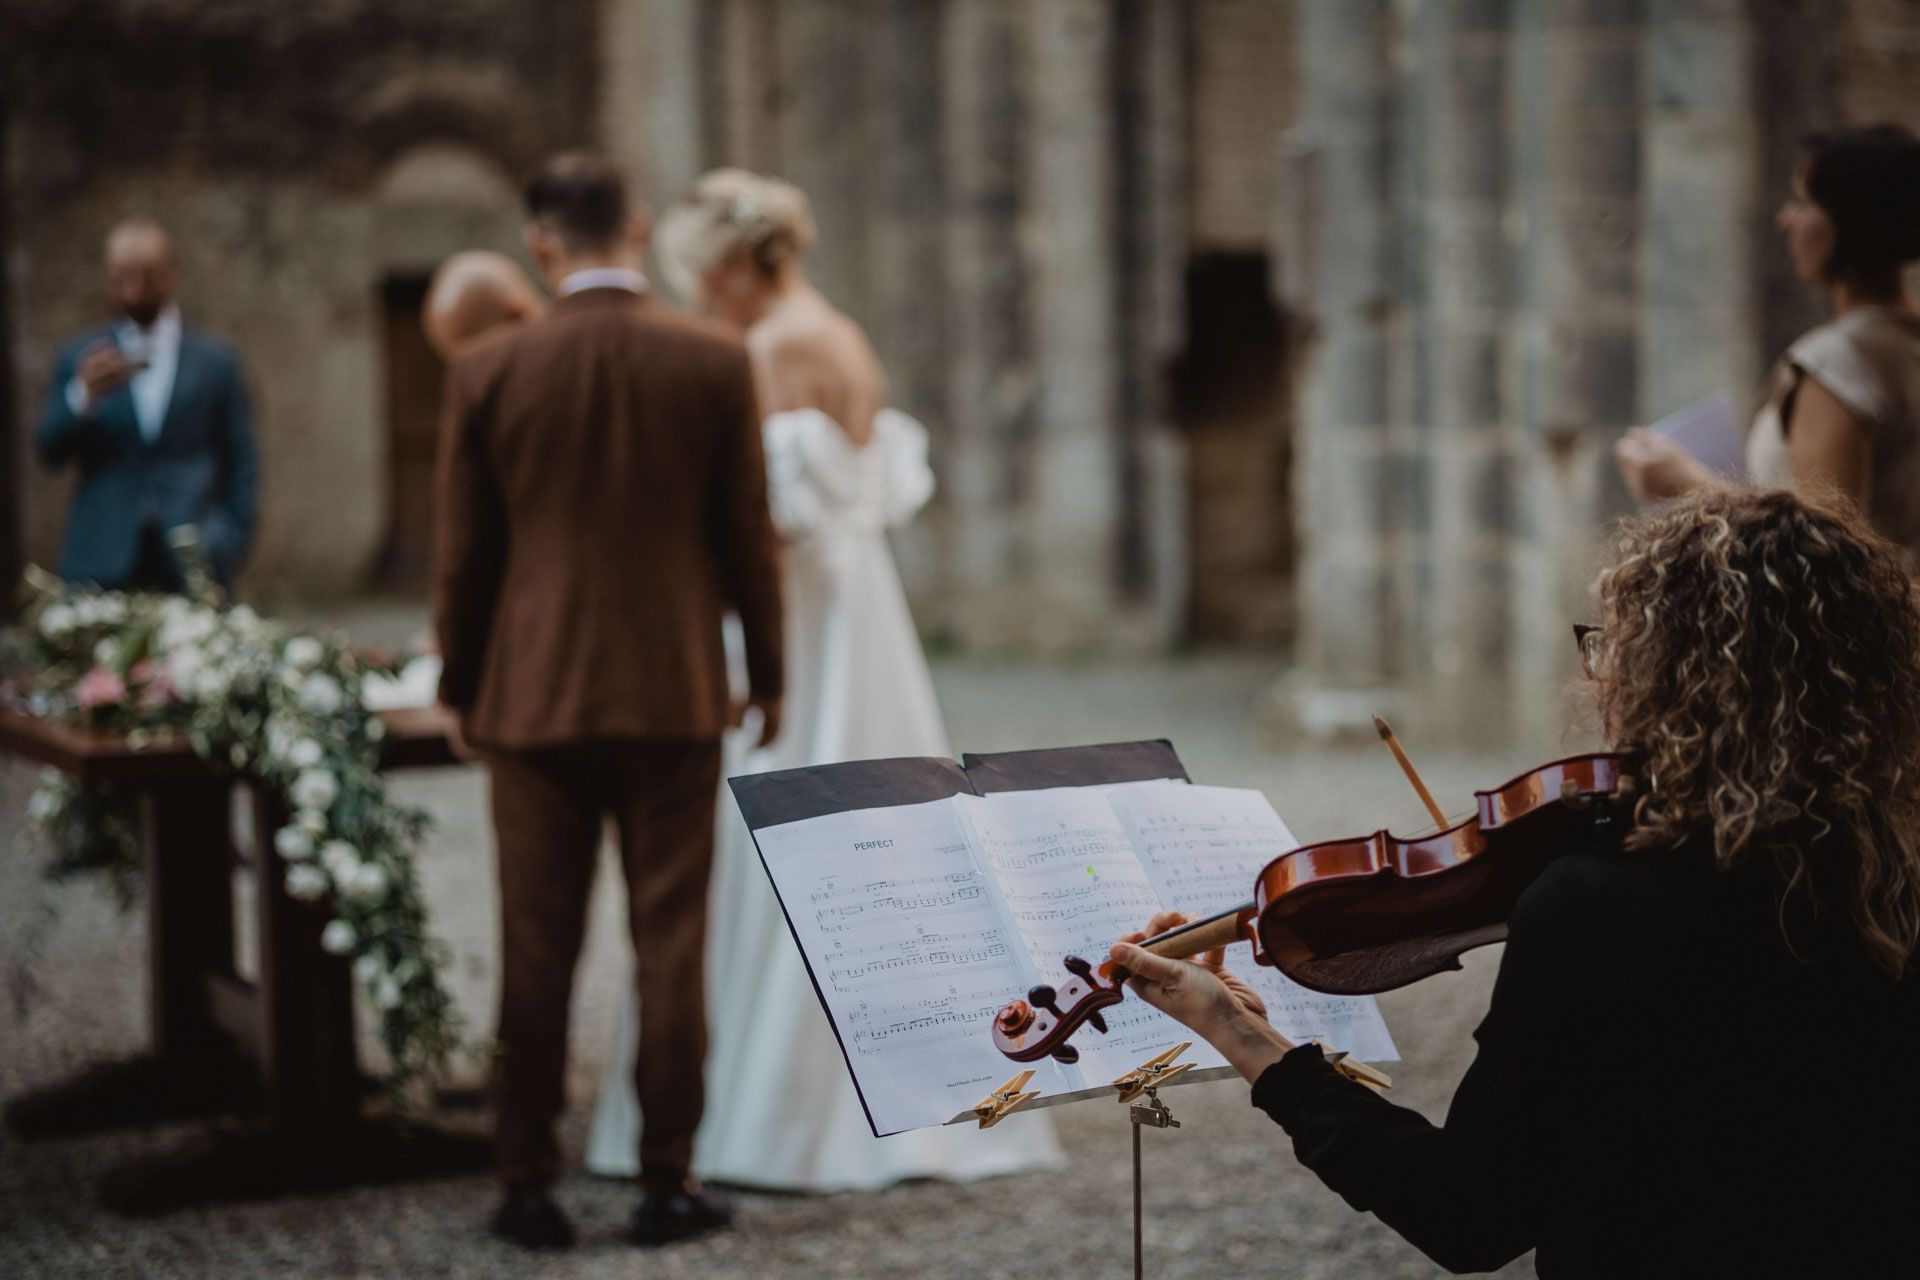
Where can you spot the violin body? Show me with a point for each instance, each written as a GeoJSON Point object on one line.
{"type": "Point", "coordinates": [1354, 917]}
{"type": "Point", "coordinates": [1359, 916]}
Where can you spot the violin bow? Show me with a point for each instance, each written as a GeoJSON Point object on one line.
{"type": "Point", "coordinates": [1413, 775]}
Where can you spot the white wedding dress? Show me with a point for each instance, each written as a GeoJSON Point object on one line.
{"type": "Point", "coordinates": [781, 1111]}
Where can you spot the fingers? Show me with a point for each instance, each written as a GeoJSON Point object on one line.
{"type": "Point", "coordinates": [1164, 922]}
{"type": "Point", "coordinates": [1145, 965]}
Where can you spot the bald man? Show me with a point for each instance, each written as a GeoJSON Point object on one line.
{"type": "Point", "coordinates": [156, 419]}
{"type": "Point", "coordinates": [474, 293]}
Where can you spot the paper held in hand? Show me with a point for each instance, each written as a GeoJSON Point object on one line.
{"type": "Point", "coordinates": [918, 921]}
{"type": "Point", "coordinates": [1708, 430]}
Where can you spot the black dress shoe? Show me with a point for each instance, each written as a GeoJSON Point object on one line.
{"type": "Point", "coordinates": [681, 1215]}
{"type": "Point", "coordinates": [530, 1219]}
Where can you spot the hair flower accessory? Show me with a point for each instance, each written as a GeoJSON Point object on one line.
{"type": "Point", "coordinates": [747, 209]}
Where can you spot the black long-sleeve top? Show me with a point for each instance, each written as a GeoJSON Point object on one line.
{"type": "Point", "coordinates": [1663, 1087]}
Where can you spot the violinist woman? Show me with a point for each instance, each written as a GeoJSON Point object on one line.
{"type": "Point", "coordinates": [1702, 1054]}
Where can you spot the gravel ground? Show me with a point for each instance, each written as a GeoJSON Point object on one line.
{"type": "Point", "coordinates": [1224, 1195]}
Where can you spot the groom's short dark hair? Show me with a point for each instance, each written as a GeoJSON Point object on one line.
{"type": "Point", "coordinates": [581, 197]}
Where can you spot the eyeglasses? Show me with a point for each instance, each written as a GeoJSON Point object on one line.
{"type": "Point", "coordinates": [1587, 635]}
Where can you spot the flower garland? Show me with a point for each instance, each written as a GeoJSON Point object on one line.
{"type": "Point", "coordinates": [285, 709]}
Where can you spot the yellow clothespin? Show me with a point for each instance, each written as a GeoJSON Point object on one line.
{"type": "Point", "coordinates": [1153, 1073]}
{"type": "Point", "coordinates": [1004, 1101]}
{"type": "Point", "coordinates": [1354, 1069]}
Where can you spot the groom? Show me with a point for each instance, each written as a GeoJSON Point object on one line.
{"type": "Point", "coordinates": [602, 499]}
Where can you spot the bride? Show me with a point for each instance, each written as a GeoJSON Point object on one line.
{"type": "Point", "coordinates": [842, 468]}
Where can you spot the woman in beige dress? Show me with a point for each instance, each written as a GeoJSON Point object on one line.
{"type": "Point", "coordinates": [1840, 412]}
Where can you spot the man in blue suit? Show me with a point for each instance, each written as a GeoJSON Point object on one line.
{"type": "Point", "coordinates": [156, 418]}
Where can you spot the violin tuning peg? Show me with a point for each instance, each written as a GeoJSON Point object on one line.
{"type": "Point", "coordinates": [1097, 1022]}
{"type": "Point", "coordinates": [1042, 997]}
{"type": "Point", "coordinates": [1066, 1053]}
{"type": "Point", "coordinates": [1079, 968]}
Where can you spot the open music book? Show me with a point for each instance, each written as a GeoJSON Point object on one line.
{"type": "Point", "coordinates": [918, 920]}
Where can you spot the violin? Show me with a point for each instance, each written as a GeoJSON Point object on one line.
{"type": "Point", "coordinates": [1364, 915]}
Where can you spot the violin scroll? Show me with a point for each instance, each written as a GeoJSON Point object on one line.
{"type": "Point", "coordinates": [1040, 1026]}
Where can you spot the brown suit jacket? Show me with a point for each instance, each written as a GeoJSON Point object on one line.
{"type": "Point", "coordinates": [602, 499]}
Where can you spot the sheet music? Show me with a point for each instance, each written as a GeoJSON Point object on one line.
{"type": "Point", "coordinates": [1202, 848]}
{"type": "Point", "coordinates": [910, 950]}
{"type": "Point", "coordinates": [1709, 430]}
{"type": "Point", "coordinates": [1073, 883]}
{"type": "Point", "coordinates": [919, 921]}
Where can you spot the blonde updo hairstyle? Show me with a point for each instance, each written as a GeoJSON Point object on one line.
{"type": "Point", "coordinates": [732, 215]}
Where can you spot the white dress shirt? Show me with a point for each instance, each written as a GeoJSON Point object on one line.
{"type": "Point", "coordinates": [604, 278]}
{"type": "Point", "coordinates": [152, 387]}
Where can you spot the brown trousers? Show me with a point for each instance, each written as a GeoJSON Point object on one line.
{"type": "Point", "coordinates": [548, 806]}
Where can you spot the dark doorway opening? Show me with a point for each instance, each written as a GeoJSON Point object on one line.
{"type": "Point", "coordinates": [414, 377]}
{"type": "Point", "coordinates": [1232, 390]}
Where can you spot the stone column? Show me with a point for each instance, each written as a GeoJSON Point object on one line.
{"type": "Point", "coordinates": [1699, 304]}
{"type": "Point", "coordinates": [905, 249]}
{"type": "Point", "coordinates": [625, 86]}
{"type": "Point", "coordinates": [825, 143]}
{"type": "Point", "coordinates": [749, 130]}
{"type": "Point", "coordinates": [1072, 513]}
{"type": "Point", "coordinates": [990, 371]}
{"type": "Point", "coordinates": [1454, 181]}
{"type": "Point", "coordinates": [1342, 474]}
{"type": "Point", "coordinates": [1573, 102]}
{"type": "Point", "coordinates": [671, 59]}
{"type": "Point", "coordinates": [1154, 190]}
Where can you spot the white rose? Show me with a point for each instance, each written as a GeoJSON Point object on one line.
{"type": "Point", "coordinates": [111, 609]}
{"type": "Point", "coordinates": [292, 843]}
{"type": "Point", "coordinates": [313, 822]}
{"type": "Point", "coordinates": [340, 859]}
{"type": "Point", "coordinates": [185, 628]}
{"type": "Point", "coordinates": [307, 883]}
{"type": "Point", "coordinates": [107, 652]}
{"type": "Point", "coordinates": [314, 789]}
{"type": "Point", "coordinates": [183, 669]}
{"type": "Point", "coordinates": [210, 684]}
{"type": "Point", "coordinates": [368, 968]}
{"type": "Point", "coordinates": [321, 694]}
{"type": "Point", "coordinates": [303, 653]}
{"type": "Point", "coordinates": [365, 883]}
{"type": "Point", "coordinates": [386, 994]}
{"type": "Point", "coordinates": [338, 938]}
{"type": "Point", "coordinates": [304, 753]}
{"type": "Point", "coordinates": [244, 618]}
{"type": "Point", "coordinates": [57, 620]}
{"type": "Point", "coordinates": [376, 728]}
{"type": "Point", "coordinates": [44, 804]}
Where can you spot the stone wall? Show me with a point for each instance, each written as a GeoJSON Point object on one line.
{"type": "Point", "coordinates": [1530, 226]}
{"type": "Point", "coordinates": [1499, 232]}
{"type": "Point", "coordinates": [1001, 192]}
{"type": "Point", "coordinates": [300, 155]}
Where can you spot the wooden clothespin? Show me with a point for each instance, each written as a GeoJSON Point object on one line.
{"type": "Point", "coordinates": [1156, 1071]}
{"type": "Point", "coordinates": [1354, 1069]}
{"type": "Point", "coordinates": [1004, 1101]}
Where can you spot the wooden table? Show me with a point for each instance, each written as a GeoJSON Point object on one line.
{"type": "Point", "coordinates": [278, 1049]}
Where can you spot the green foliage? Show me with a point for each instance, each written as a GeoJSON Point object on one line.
{"type": "Point", "coordinates": [281, 708]}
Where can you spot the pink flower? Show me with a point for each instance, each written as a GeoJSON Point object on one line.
{"type": "Point", "coordinates": [153, 682]}
{"type": "Point", "coordinates": [100, 687]}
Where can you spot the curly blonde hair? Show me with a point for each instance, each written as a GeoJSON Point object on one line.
{"type": "Point", "coordinates": [1764, 653]}
{"type": "Point", "coordinates": [729, 215]}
